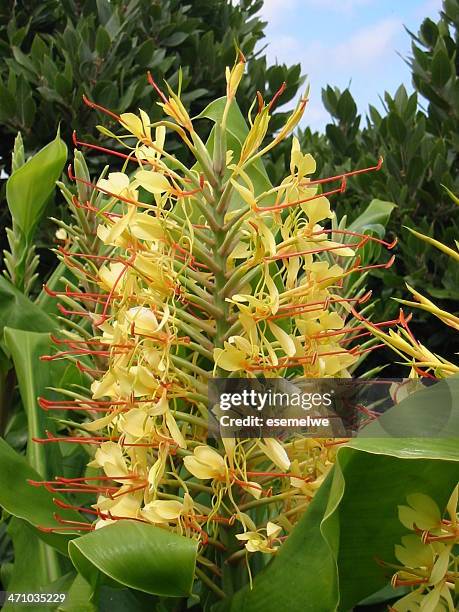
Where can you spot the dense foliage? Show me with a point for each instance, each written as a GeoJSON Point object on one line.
{"type": "Point", "coordinates": [52, 53]}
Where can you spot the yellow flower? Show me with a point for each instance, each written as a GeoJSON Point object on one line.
{"type": "Point", "coordinates": [138, 126]}
{"type": "Point", "coordinates": [206, 463]}
{"type": "Point", "coordinates": [258, 542]}
{"type": "Point", "coordinates": [276, 453]}
{"type": "Point", "coordinates": [154, 182]}
{"type": "Point", "coordinates": [109, 456]}
{"type": "Point", "coordinates": [162, 511]}
{"type": "Point", "coordinates": [118, 183]}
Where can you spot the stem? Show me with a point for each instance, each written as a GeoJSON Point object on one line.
{"type": "Point", "coordinates": [209, 583]}
{"type": "Point", "coordinates": [183, 363]}
{"type": "Point", "coordinates": [206, 305]}
{"type": "Point", "coordinates": [266, 500]}
{"type": "Point", "coordinates": [197, 323]}
{"type": "Point", "coordinates": [241, 277]}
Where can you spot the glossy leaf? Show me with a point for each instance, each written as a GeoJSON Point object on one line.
{"type": "Point", "coordinates": [79, 597]}
{"type": "Point", "coordinates": [139, 556]}
{"type": "Point", "coordinates": [35, 563]}
{"type": "Point", "coordinates": [441, 68]}
{"type": "Point", "coordinates": [19, 312]}
{"type": "Point", "coordinates": [32, 504]}
{"type": "Point", "coordinates": [34, 377]}
{"type": "Point", "coordinates": [29, 187]}
{"type": "Point", "coordinates": [329, 561]}
{"type": "Point", "coordinates": [376, 214]}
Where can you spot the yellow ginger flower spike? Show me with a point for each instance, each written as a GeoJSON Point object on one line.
{"type": "Point", "coordinates": [199, 272]}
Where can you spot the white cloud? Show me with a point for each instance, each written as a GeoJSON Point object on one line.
{"type": "Point", "coordinates": [273, 9]}
{"type": "Point", "coordinates": [431, 8]}
{"type": "Point", "coordinates": [359, 57]}
{"type": "Point", "coordinates": [363, 49]}
{"type": "Point", "coordinates": [337, 5]}
{"type": "Point", "coordinates": [286, 50]}
{"type": "Point", "coordinates": [368, 45]}
{"type": "Point", "coordinates": [277, 9]}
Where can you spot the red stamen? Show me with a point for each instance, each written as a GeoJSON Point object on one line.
{"type": "Point", "coordinates": [388, 245]}
{"type": "Point", "coordinates": [92, 104]}
{"type": "Point", "coordinates": [62, 529]}
{"type": "Point", "coordinates": [156, 88]}
{"type": "Point", "coordinates": [261, 102]}
{"type": "Point", "coordinates": [130, 490]}
{"type": "Point", "coordinates": [277, 95]}
{"type": "Point", "coordinates": [313, 251]}
{"type": "Point", "coordinates": [321, 305]}
{"type": "Point", "coordinates": [346, 330]}
{"type": "Point", "coordinates": [278, 475]}
{"type": "Point", "coordinates": [386, 265]}
{"type": "Point", "coordinates": [74, 439]}
{"type": "Point", "coordinates": [73, 177]}
{"type": "Point", "coordinates": [345, 174]}
{"type": "Point", "coordinates": [102, 149]}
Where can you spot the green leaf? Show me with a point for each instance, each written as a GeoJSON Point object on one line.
{"type": "Point", "coordinates": [175, 39]}
{"type": "Point", "coordinates": [32, 504]}
{"type": "Point", "coordinates": [432, 411]}
{"type": "Point", "coordinates": [347, 108]}
{"type": "Point", "coordinates": [34, 377]}
{"type": "Point", "coordinates": [329, 562]}
{"type": "Point", "coordinates": [7, 103]}
{"type": "Point", "coordinates": [139, 556]}
{"type": "Point", "coordinates": [397, 128]}
{"type": "Point", "coordinates": [429, 31]}
{"type": "Point", "coordinates": [377, 213]}
{"type": "Point", "coordinates": [79, 597]}
{"type": "Point", "coordinates": [35, 563]}
{"type": "Point", "coordinates": [28, 189]}
{"type": "Point", "coordinates": [103, 41]}
{"type": "Point", "coordinates": [19, 312]}
{"type": "Point", "coordinates": [441, 68]}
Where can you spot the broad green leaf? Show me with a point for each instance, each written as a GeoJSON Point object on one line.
{"type": "Point", "coordinates": [19, 312]}
{"type": "Point", "coordinates": [432, 412]}
{"type": "Point", "coordinates": [347, 108]}
{"type": "Point", "coordinates": [56, 282]}
{"type": "Point", "coordinates": [441, 68]}
{"type": "Point", "coordinates": [34, 377]}
{"type": "Point", "coordinates": [32, 504]}
{"type": "Point", "coordinates": [396, 126]}
{"type": "Point", "coordinates": [139, 556]}
{"type": "Point", "coordinates": [29, 187]}
{"type": "Point", "coordinates": [35, 563]}
{"type": "Point", "coordinates": [376, 214]}
{"type": "Point", "coordinates": [79, 597]}
{"type": "Point", "coordinates": [329, 561]}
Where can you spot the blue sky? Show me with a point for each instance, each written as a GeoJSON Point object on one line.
{"type": "Point", "coordinates": [342, 41]}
